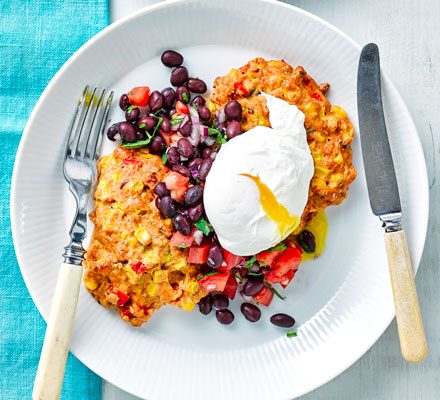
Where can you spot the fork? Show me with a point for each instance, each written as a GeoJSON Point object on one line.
{"type": "Point", "coordinates": [83, 144]}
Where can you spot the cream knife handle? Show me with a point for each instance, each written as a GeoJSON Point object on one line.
{"type": "Point", "coordinates": [50, 373]}
{"type": "Point", "coordinates": [409, 317]}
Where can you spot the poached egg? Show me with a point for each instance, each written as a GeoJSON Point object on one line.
{"type": "Point", "coordinates": [258, 186]}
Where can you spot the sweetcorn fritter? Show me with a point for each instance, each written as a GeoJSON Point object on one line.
{"type": "Point", "coordinates": [130, 264]}
{"type": "Point", "coordinates": [329, 131]}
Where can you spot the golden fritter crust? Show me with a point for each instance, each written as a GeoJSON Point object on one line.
{"type": "Point", "coordinates": [329, 131]}
{"type": "Point", "coordinates": [130, 265]}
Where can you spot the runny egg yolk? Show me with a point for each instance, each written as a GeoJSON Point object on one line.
{"type": "Point", "coordinates": [274, 209]}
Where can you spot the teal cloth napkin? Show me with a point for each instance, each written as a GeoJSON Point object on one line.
{"type": "Point", "coordinates": [36, 38]}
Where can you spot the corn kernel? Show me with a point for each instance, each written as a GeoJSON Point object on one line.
{"type": "Point", "coordinates": [193, 287]}
{"type": "Point", "coordinates": [339, 158]}
{"type": "Point", "coordinates": [142, 235]}
{"type": "Point", "coordinates": [124, 235]}
{"type": "Point", "coordinates": [211, 107]}
{"type": "Point", "coordinates": [133, 277]}
{"type": "Point", "coordinates": [160, 276]}
{"type": "Point", "coordinates": [151, 289]}
{"type": "Point", "coordinates": [91, 284]}
{"type": "Point", "coordinates": [187, 304]}
{"type": "Point", "coordinates": [338, 111]}
{"type": "Point", "coordinates": [179, 264]}
{"type": "Point", "coordinates": [137, 187]}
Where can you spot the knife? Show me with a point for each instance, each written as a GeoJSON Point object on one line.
{"type": "Point", "coordinates": [385, 203]}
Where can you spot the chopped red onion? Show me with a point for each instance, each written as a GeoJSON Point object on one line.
{"type": "Point", "coordinates": [198, 237]}
{"type": "Point", "coordinates": [194, 116]}
{"type": "Point", "coordinates": [209, 141]}
{"type": "Point", "coordinates": [221, 116]}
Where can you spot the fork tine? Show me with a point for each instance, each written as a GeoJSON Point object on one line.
{"type": "Point", "coordinates": [90, 128]}
{"type": "Point", "coordinates": [73, 132]}
{"type": "Point", "coordinates": [83, 122]}
{"type": "Point", "coordinates": [98, 129]}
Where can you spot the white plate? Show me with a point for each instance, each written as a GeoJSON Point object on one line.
{"type": "Point", "coordinates": [342, 302]}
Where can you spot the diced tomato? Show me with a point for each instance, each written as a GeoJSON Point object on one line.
{"type": "Point", "coordinates": [198, 254]}
{"type": "Point", "coordinates": [231, 287]}
{"type": "Point", "coordinates": [181, 108]}
{"type": "Point", "coordinates": [179, 194]}
{"type": "Point", "coordinates": [316, 96]}
{"type": "Point", "coordinates": [240, 89]}
{"type": "Point", "coordinates": [180, 240]}
{"type": "Point", "coordinates": [127, 312]}
{"type": "Point", "coordinates": [138, 96]}
{"type": "Point", "coordinates": [214, 282]}
{"type": "Point", "coordinates": [122, 298]}
{"type": "Point", "coordinates": [167, 137]}
{"type": "Point", "coordinates": [288, 260]}
{"type": "Point", "coordinates": [264, 297]}
{"type": "Point", "coordinates": [269, 257]}
{"type": "Point", "coordinates": [139, 268]}
{"type": "Point", "coordinates": [231, 260]}
{"type": "Point", "coordinates": [287, 278]}
{"type": "Point", "coordinates": [175, 181]}
{"type": "Point", "coordinates": [131, 160]}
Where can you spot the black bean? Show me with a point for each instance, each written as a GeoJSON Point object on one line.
{"type": "Point", "coordinates": [215, 256]}
{"type": "Point", "coordinates": [225, 317]}
{"type": "Point", "coordinates": [185, 148]}
{"type": "Point", "coordinates": [165, 125]}
{"type": "Point", "coordinates": [195, 212]}
{"type": "Point", "coordinates": [113, 132]}
{"type": "Point", "coordinates": [171, 58]}
{"type": "Point", "coordinates": [207, 152]}
{"type": "Point", "coordinates": [205, 305]}
{"type": "Point", "coordinates": [195, 162]}
{"type": "Point", "coordinates": [147, 123]}
{"type": "Point", "coordinates": [161, 189]}
{"type": "Point", "coordinates": [198, 101]}
{"type": "Point", "coordinates": [196, 85]}
{"type": "Point", "coordinates": [307, 241]}
{"type": "Point", "coordinates": [155, 101]}
{"type": "Point", "coordinates": [233, 129]}
{"type": "Point", "coordinates": [253, 286]}
{"type": "Point", "coordinates": [183, 211]}
{"type": "Point", "coordinates": [182, 170]}
{"type": "Point", "coordinates": [196, 153]}
{"type": "Point", "coordinates": [186, 129]}
{"type": "Point", "coordinates": [182, 223]}
{"type": "Point", "coordinates": [124, 103]}
{"type": "Point", "coordinates": [233, 110]}
{"type": "Point", "coordinates": [168, 207]}
{"type": "Point", "coordinates": [169, 98]}
{"type": "Point", "coordinates": [183, 94]}
{"type": "Point", "coordinates": [127, 132]}
{"type": "Point", "coordinates": [157, 144]}
{"type": "Point", "coordinates": [204, 113]}
{"type": "Point", "coordinates": [283, 320]}
{"type": "Point", "coordinates": [220, 301]}
{"type": "Point", "coordinates": [158, 202]}
{"type": "Point", "coordinates": [179, 76]}
{"type": "Point", "coordinates": [193, 195]}
{"type": "Point", "coordinates": [173, 156]}
{"type": "Point", "coordinates": [140, 134]}
{"type": "Point", "coordinates": [221, 126]}
{"type": "Point", "coordinates": [204, 168]}
{"type": "Point", "coordinates": [251, 312]}
{"type": "Point", "coordinates": [132, 114]}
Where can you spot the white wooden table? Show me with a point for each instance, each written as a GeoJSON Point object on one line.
{"type": "Point", "coordinates": [408, 34]}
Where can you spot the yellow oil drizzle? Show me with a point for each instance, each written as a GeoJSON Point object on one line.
{"type": "Point", "coordinates": [274, 209]}
{"type": "Point", "coordinates": [318, 226]}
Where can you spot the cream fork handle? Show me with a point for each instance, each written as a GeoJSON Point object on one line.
{"type": "Point", "coordinates": [408, 315]}
{"type": "Point", "coordinates": [50, 373]}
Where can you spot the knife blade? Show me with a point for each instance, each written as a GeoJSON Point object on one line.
{"type": "Point", "coordinates": [378, 160]}
{"type": "Point", "coordinates": [385, 203]}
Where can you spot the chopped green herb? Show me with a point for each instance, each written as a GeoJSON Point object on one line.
{"type": "Point", "coordinates": [254, 273]}
{"type": "Point", "coordinates": [176, 121]}
{"type": "Point", "coordinates": [217, 135]}
{"type": "Point", "coordinates": [131, 108]}
{"type": "Point", "coordinates": [142, 126]}
{"type": "Point", "coordinates": [238, 277]}
{"type": "Point", "coordinates": [204, 226]}
{"type": "Point", "coordinates": [185, 97]}
{"type": "Point", "coordinates": [278, 247]}
{"type": "Point", "coordinates": [159, 121]}
{"type": "Point", "coordinates": [292, 334]}
{"type": "Point", "coordinates": [138, 144]}
{"type": "Point", "coordinates": [143, 248]}
{"type": "Point", "coordinates": [208, 274]}
{"type": "Point", "coordinates": [248, 264]}
{"type": "Point", "coordinates": [273, 290]}
{"type": "Point", "coordinates": [182, 246]}
{"type": "Point", "coordinates": [164, 158]}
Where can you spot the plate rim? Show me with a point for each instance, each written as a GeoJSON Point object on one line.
{"type": "Point", "coordinates": [89, 43]}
